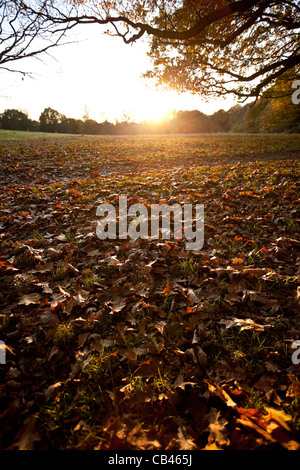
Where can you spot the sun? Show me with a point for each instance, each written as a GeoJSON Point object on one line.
{"type": "Point", "coordinates": [150, 105]}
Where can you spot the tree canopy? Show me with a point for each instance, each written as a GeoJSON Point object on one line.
{"type": "Point", "coordinates": [207, 47]}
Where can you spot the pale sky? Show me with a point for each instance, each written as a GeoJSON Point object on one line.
{"type": "Point", "coordinates": [99, 73]}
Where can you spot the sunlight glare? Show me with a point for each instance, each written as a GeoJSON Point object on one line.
{"type": "Point", "coordinates": [153, 107]}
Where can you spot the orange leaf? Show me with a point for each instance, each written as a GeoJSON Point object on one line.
{"type": "Point", "coordinates": [167, 288]}
{"type": "Point", "coordinates": [238, 261]}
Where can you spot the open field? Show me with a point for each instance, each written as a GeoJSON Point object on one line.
{"type": "Point", "coordinates": [122, 344]}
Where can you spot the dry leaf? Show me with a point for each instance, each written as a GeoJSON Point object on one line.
{"type": "Point", "coordinates": [247, 324]}
{"type": "Point", "coordinates": [218, 434]}
{"type": "Point", "coordinates": [29, 299]}
{"type": "Point", "coordinates": [117, 304]}
{"type": "Point", "coordinates": [184, 441]}
{"type": "Point", "coordinates": [218, 391]}
{"type": "Point", "coordinates": [181, 383]}
{"type": "Point", "coordinates": [52, 391]}
{"type": "Point", "coordinates": [256, 272]}
{"type": "Point", "coordinates": [81, 297]}
{"type": "Point", "coordinates": [28, 435]}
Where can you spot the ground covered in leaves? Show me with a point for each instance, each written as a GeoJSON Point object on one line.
{"type": "Point", "coordinates": [144, 345]}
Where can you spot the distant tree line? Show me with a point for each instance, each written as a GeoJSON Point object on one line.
{"type": "Point", "coordinates": [266, 115]}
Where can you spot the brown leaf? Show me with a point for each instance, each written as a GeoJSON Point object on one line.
{"type": "Point", "coordinates": [181, 383]}
{"type": "Point", "coordinates": [49, 319]}
{"type": "Point", "coordinates": [57, 299]}
{"type": "Point", "coordinates": [184, 441]}
{"type": "Point", "coordinates": [67, 305]}
{"type": "Point", "coordinates": [256, 272]}
{"type": "Point", "coordinates": [29, 299]}
{"type": "Point", "coordinates": [142, 441]}
{"type": "Point", "coordinates": [298, 295]}
{"type": "Point", "coordinates": [159, 346]}
{"type": "Point", "coordinates": [284, 241]}
{"type": "Point", "coordinates": [45, 286]}
{"type": "Point", "coordinates": [218, 434]}
{"type": "Point", "coordinates": [52, 391]}
{"type": "Point", "coordinates": [42, 268]}
{"type": "Point", "coordinates": [161, 326]}
{"type": "Point", "coordinates": [149, 369]}
{"type": "Point", "coordinates": [117, 304]}
{"type": "Point", "coordinates": [247, 324]}
{"type": "Point", "coordinates": [252, 425]}
{"type": "Point", "coordinates": [28, 435]}
{"type": "Point", "coordinates": [218, 391]}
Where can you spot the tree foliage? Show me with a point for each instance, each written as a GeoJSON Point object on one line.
{"type": "Point", "coordinates": [207, 47]}
{"type": "Point", "coordinates": [49, 120]}
{"type": "Point", "coordinates": [15, 119]}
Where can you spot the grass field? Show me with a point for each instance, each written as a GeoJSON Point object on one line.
{"type": "Point", "coordinates": [25, 135]}
{"type": "Point", "coordinates": [122, 344]}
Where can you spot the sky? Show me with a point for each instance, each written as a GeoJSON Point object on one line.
{"type": "Point", "coordinates": [99, 74]}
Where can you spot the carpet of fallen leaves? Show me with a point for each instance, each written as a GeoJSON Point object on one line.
{"type": "Point", "coordinates": [144, 345]}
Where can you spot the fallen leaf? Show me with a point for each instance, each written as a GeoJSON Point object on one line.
{"type": "Point", "coordinates": [181, 383]}
{"type": "Point", "coordinates": [218, 434]}
{"type": "Point", "coordinates": [256, 272]}
{"type": "Point", "coordinates": [220, 392]}
{"type": "Point", "coordinates": [49, 319]}
{"type": "Point", "coordinates": [29, 299]}
{"type": "Point", "coordinates": [247, 324]}
{"type": "Point", "coordinates": [117, 304]}
{"type": "Point", "coordinates": [28, 434]}
{"type": "Point", "coordinates": [52, 391]}
{"type": "Point", "coordinates": [42, 268]}
{"type": "Point", "coordinates": [184, 441]}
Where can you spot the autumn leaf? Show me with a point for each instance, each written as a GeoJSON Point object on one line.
{"type": "Point", "coordinates": [120, 333]}
{"type": "Point", "coordinates": [52, 391]}
{"type": "Point", "coordinates": [167, 289]}
{"type": "Point", "coordinates": [184, 441]}
{"type": "Point", "coordinates": [246, 324]}
{"type": "Point", "coordinates": [218, 435]}
{"type": "Point", "coordinates": [256, 272]}
{"type": "Point", "coordinates": [29, 299]}
{"type": "Point", "coordinates": [220, 392]}
{"type": "Point", "coordinates": [181, 383]}
{"type": "Point", "coordinates": [28, 435]}
{"type": "Point", "coordinates": [237, 261]}
{"type": "Point", "coordinates": [117, 304]}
